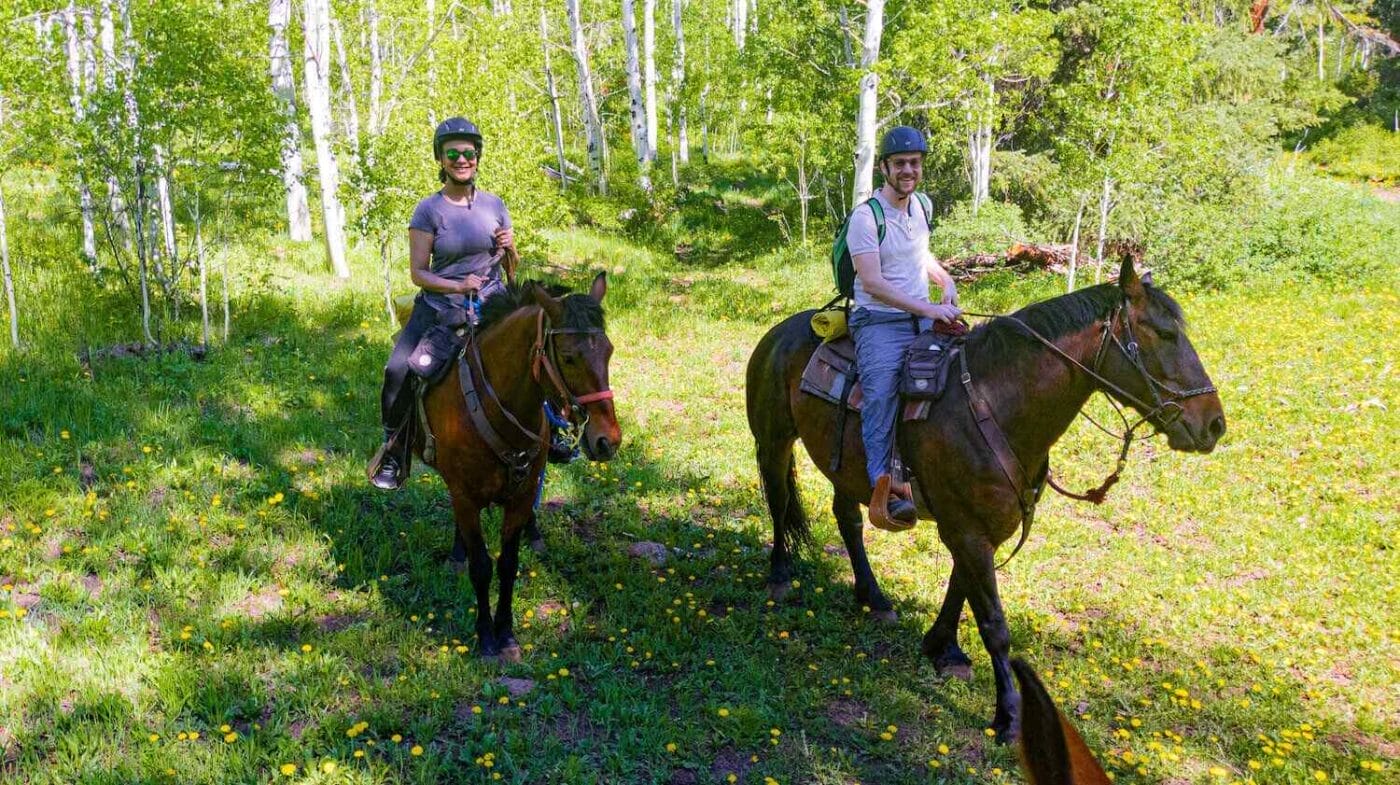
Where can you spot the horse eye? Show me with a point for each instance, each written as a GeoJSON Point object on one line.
{"type": "Point", "coordinates": [1166, 335]}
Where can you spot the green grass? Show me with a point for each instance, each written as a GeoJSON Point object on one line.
{"type": "Point", "coordinates": [230, 568]}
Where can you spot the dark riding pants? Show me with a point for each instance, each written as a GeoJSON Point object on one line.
{"type": "Point", "coordinates": [395, 402]}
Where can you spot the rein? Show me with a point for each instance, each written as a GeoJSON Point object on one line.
{"type": "Point", "coordinates": [1130, 350]}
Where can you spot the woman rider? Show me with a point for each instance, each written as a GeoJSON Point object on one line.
{"type": "Point", "coordinates": [458, 241]}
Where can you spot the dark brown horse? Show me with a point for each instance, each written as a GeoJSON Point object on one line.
{"type": "Point", "coordinates": [1129, 335]}
{"type": "Point", "coordinates": [533, 347]}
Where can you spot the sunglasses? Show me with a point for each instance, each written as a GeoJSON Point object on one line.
{"type": "Point", "coordinates": [467, 154]}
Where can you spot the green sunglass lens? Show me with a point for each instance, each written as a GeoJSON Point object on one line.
{"type": "Point", "coordinates": [453, 155]}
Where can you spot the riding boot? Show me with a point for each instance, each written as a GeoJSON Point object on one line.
{"type": "Point", "coordinates": [890, 512]}
{"type": "Point", "coordinates": [386, 468]}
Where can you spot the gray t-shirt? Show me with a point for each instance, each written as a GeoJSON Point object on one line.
{"type": "Point", "coordinates": [904, 255]}
{"type": "Point", "coordinates": [464, 242]}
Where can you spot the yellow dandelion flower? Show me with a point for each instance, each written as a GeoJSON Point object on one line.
{"type": "Point", "coordinates": [288, 769]}
{"type": "Point", "coordinates": [396, 738]}
{"type": "Point", "coordinates": [416, 751]}
{"type": "Point", "coordinates": [670, 746]}
{"type": "Point", "coordinates": [723, 712]}
{"type": "Point", "coordinates": [230, 737]}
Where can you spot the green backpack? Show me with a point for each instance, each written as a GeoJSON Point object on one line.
{"type": "Point", "coordinates": [843, 269]}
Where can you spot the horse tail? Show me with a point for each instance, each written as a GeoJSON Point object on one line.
{"type": "Point", "coordinates": [775, 432]}
{"type": "Point", "coordinates": [1052, 752]}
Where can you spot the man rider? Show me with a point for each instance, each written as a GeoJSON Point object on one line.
{"type": "Point", "coordinates": [891, 301]}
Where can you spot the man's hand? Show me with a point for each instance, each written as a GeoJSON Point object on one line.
{"type": "Point", "coordinates": [950, 295]}
{"type": "Point", "coordinates": [471, 284]}
{"type": "Point", "coordinates": [942, 312]}
{"type": "Point", "coordinates": [505, 238]}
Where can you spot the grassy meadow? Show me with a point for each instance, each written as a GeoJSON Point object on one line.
{"type": "Point", "coordinates": [197, 585]}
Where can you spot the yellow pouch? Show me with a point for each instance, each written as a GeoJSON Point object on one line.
{"type": "Point", "coordinates": [403, 308]}
{"type": "Point", "coordinates": [829, 324]}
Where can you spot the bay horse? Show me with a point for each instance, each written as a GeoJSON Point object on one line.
{"type": "Point", "coordinates": [1127, 339]}
{"type": "Point", "coordinates": [490, 436]}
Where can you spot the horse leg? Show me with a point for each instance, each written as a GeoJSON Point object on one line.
{"type": "Point", "coordinates": [779, 475]}
{"type": "Point", "coordinates": [508, 567]}
{"type": "Point", "coordinates": [940, 643]}
{"type": "Point", "coordinates": [851, 524]}
{"type": "Point", "coordinates": [478, 569]}
{"type": "Point", "coordinates": [457, 560]}
{"type": "Point", "coordinates": [977, 576]}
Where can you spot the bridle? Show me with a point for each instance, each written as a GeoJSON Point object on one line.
{"type": "Point", "coordinates": [544, 357]}
{"type": "Point", "coordinates": [1164, 409]}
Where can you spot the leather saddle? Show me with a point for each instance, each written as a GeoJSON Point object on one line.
{"type": "Point", "coordinates": [833, 376]}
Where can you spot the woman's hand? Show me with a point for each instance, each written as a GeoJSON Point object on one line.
{"type": "Point", "coordinates": [470, 285]}
{"type": "Point", "coordinates": [505, 238]}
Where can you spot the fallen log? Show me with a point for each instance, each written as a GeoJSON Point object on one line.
{"type": "Point", "coordinates": [1020, 258]}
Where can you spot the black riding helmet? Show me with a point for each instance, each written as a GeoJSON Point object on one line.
{"type": "Point", "coordinates": [902, 139]}
{"type": "Point", "coordinates": [455, 128]}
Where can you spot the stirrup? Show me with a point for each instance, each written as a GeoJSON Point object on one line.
{"type": "Point", "coordinates": [880, 508]}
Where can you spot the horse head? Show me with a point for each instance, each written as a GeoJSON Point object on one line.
{"type": "Point", "coordinates": [1145, 351]}
{"type": "Point", "coordinates": [575, 353]}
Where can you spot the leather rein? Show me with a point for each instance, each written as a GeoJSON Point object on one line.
{"type": "Point", "coordinates": [543, 358]}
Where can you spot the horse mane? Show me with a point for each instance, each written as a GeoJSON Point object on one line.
{"type": "Point", "coordinates": [1001, 342]}
{"type": "Point", "coordinates": [580, 310]}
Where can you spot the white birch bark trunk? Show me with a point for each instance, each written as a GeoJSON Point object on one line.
{"type": "Point", "coordinates": [980, 147]}
{"type": "Point", "coordinates": [753, 16]}
{"type": "Point", "coordinates": [593, 125]}
{"type": "Point", "coordinates": [138, 168]}
{"type": "Point", "coordinates": [376, 70]}
{"type": "Point", "coordinates": [167, 211]}
{"type": "Point", "coordinates": [678, 83]}
{"type": "Point", "coordinates": [704, 124]}
{"type": "Point", "coordinates": [640, 145]}
{"type": "Point", "coordinates": [1105, 205]}
{"type": "Point", "coordinates": [5, 267]}
{"type": "Point", "coordinates": [74, 52]}
{"type": "Point", "coordinates": [318, 45]}
{"type": "Point", "coordinates": [1321, 50]}
{"type": "Point", "coordinates": [846, 51]}
{"type": "Point", "coordinates": [865, 114]}
{"type": "Point", "coordinates": [556, 121]}
{"type": "Point", "coordinates": [203, 272]}
{"type": "Point", "coordinates": [649, 73]}
{"type": "Point", "coordinates": [1074, 243]}
{"type": "Point", "coordinates": [279, 15]}
{"type": "Point", "coordinates": [107, 39]}
{"type": "Point", "coordinates": [740, 17]}
{"type": "Point", "coordinates": [347, 86]}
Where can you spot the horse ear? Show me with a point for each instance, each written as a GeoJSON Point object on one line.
{"type": "Point", "coordinates": [1128, 279]}
{"type": "Point", "coordinates": [1052, 752]}
{"type": "Point", "coordinates": [599, 288]}
{"type": "Point", "coordinates": [552, 307]}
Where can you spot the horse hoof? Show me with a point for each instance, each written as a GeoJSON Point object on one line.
{"type": "Point", "coordinates": [458, 567]}
{"type": "Point", "coordinates": [885, 617]}
{"type": "Point", "coordinates": [778, 591]}
{"type": "Point", "coordinates": [510, 654]}
{"type": "Point", "coordinates": [955, 670]}
{"type": "Point", "coordinates": [537, 546]}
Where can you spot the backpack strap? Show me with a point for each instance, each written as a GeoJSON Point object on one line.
{"type": "Point", "coordinates": [927, 204]}
{"type": "Point", "coordinates": [877, 210]}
